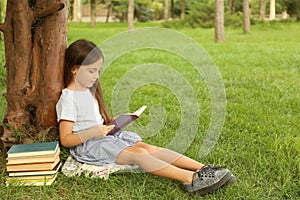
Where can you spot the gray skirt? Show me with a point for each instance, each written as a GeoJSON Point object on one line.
{"type": "Point", "coordinates": [101, 151]}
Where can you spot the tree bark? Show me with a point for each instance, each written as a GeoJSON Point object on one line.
{"type": "Point", "coordinates": [93, 13]}
{"type": "Point", "coordinates": [130, 15]}
{"type": "Point", "coordinates": [109, 8]}
{"type": "Point", "coordinates": [2, 11]}
{"type": "Point", "coordinates": [262, 12]}
{"type": "Point", "coordinates": [246, 13]}
{"type": "Point", "coordinates": [1, 16]}
{"type": "Point", "coordinates": [166, 9]}
{"type": "Point", "coordinates": [182, 9]}
{"type": "Point", "coordinates": [231, 5]}
{"type": "Point", "coordinates": [272, 9]}
{"type": "Point", "coordinates": [71, 10]}
{"type": "Point", "coordinates": [219, 21]}
{"type": "Point", "coordinates": [172, 9]}
{"type": "Point", "coordinates": [77, 11]}
{"type": "Point", "coordinates": [35, 41]}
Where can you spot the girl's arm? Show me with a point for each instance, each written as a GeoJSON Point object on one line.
{"type": "Point", "coordinates": [68, 139]}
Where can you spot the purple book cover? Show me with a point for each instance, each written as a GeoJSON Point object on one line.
{"type": "Point", "coordinates": [124, 120]}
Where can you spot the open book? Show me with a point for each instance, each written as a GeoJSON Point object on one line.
{"type": "Point", "coordinates": [125, 119]}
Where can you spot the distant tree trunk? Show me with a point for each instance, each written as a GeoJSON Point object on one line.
{"type": "Point", "coordinates": [172, 9]}
{"type": "Point", "coordinates": [284, 14]}
{"type": "Point", "coordinates": [1, 11]}
{"type": "Point", "coordinates": [231, 5]}
{"type": "Point", "coordinates": [166, 9]}
{"type": "Point", "coordinates": [130, 15]}
{"type": "Point", "coordinates": [71, 10]}
{"type": "Point", "coordinates": [35, 42]}
{"type": "Point", "coordinates": [109, 7]}
{"type": "Point", "coordinates": [77, 11]}
{"type": "Point", "coordinates": [262, 13]}
{"type": "Point", "coordinates": [246, 13]}
{"type": "Point", "coordinates": [272, 9]}
{"type": "Point", "coordinates": [182, 9]}
{"type": "Point", "coordinates": [219, 21]}
{"type": "Point", "coordinates": [1, 16]}
{"type": "Point", "coordinates": [93, 13]}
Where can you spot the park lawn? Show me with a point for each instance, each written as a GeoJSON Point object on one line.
{"type": "Point", "coordinates": [260, 138]}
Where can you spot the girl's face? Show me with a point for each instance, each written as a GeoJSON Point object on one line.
{"type": "Point", "coordinates": [86, 75]}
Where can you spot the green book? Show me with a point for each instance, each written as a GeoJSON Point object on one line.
{"type": "Point", "coordinates": [34, 149]}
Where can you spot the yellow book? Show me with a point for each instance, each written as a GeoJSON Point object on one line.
{"type": "Point", "coordinates": [33, 159]}
{"type": "Point", "coordinates": [32, 173]}
{"type": "Point", "coordinates": [32, 166]}
{"type": "Point", "coordinates": [32, 182]}
{"type": "Point", "coordinates": [24, 178]}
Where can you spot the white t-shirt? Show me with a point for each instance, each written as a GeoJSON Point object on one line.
{"type": "Point", "coordinates": [80, 107]}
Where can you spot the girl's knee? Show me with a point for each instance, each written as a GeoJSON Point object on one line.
{"type": "Point", "coordinates": [139, 150]}
{"type": "Point", "coordinates": [132, 155]}
{"type": "Point", "coordinates": [148, 147]}
{"type": "Point", "coordinates": [128, 155]}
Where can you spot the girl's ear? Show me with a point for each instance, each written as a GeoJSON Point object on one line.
{"type": "Point", "coordinates": [74, 70]}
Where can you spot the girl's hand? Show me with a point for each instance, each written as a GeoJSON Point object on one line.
{"type": "Point", "coordinates": [104, 129]}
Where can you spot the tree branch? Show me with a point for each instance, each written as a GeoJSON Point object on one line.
{"type": "Point", "coordinates": [48, 11]}
{"type": "Point", "coordinates": [2, 27]}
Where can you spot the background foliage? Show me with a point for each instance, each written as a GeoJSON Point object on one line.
{"type": "Point", "coordinates": [260, 139]}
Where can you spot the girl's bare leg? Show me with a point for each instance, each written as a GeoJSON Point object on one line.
{"type": "Point", "coordinates": [171, 157]}
{"type": "Point", "coordinates": [153, 165]}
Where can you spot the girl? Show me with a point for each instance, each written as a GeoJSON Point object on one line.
{"type": "Point", "coordinates": [82, 117]}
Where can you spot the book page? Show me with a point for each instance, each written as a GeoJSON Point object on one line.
{"type": "Point", "coordinates": [140, 111]}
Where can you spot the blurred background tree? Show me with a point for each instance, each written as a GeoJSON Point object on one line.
{"type": "Point", "coordinates": [192, 13]}
{"type": "Point", "coordinates": [2, 14]}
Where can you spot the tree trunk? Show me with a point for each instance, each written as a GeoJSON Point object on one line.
{"type": "Point", "coordinates": [246, 13]}
{"type": "Point", "coordinates": [284, 14]}
{"type": "Point", "coordinates": [172, 9]}
{"type": "Point", "coordinates": [71, 10]}
{"type": "Point", "coordinates": [219, 21]}
{"type": "Point", "coordinates": [35, 43]}
{"type": "Point", "coordinates": [272, 9]}
{"type": "Point", "coordinates": [231, 5]}
{"type": "Point", "coordinates": [77, 11]}
{"type": "Point", "coordinates": [1, 11]}
{"type": "Point", "coordinates": [262, 12]}
{"type": "Point", "coordinates": [1, 15]}
{"type": "Point", "coordinates": [130, 15]}
{"type": "Point", "coordinates": [182, 9]}
{"type": "Point", "coordinates": [93, 13]}
{"type": "Point", "coordinates": [109, 8]}
{"type": "Point", "coordinates": [166, 10]}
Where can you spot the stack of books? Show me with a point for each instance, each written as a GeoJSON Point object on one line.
{"type": "Point", "coordinates": [33, 164]}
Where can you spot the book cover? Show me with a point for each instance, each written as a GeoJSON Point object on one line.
{"type": "Point", "coordinates": [33, 177]}
{"type": "Point", "coordinates": [37, 173]}
{"type": "Point", "coordinates": [33, 159]}
{"type": "Point", "coordinates": [125, 119]}
{"type": "Point", "coordinates": [34, 149]}
{"type": "Point", "coordinates": [31, 182]}
{"type": "Point", "coordinates": [32, 166]}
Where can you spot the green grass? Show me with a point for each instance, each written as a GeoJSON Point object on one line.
{"type": "Point", "coordinates": [260, 139]}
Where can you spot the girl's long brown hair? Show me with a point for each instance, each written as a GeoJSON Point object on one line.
{"type": "Point", "coordinates": [84, 52]}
